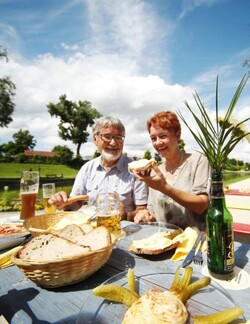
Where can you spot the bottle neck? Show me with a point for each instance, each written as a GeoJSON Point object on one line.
{"type": "Point", "coordinates": [217, 191]}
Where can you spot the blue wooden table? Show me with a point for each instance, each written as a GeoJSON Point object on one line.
{"type": "Point", "coordinates": [21, 301]}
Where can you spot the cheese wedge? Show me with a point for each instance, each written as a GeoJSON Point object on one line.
{"type": "Point", "coordinates": [187, 240]}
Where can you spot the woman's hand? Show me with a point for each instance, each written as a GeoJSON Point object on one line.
{"type": "Point", "coordinates": [154, 180]}
{"type": "Point", "coordinates": [144, 216]}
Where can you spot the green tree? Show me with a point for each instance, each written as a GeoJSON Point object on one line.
{"type": "Point", "coordinates": [75, 117]}
{"type": "Point", "coordinates": [7, 93]}
{"type": "Point", "coordinates": [23, 140]}
{"type": "Point", "coordinates": [65, 154]}
{"type": "Point", "coordinates": [96, 154]}
{"type": "Point", "coordinates": [157, 157]}
{"type": "Point", "coordinates": [181, 145]}
{"type": "Point", "coordinates": [147, 155]}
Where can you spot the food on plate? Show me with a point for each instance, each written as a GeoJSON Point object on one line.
{"type": "Point", "coordinates": [223, 317]}
{"type": "Point", "coordinates": [141, 165]}
{"type": "Point", "coordinates": [116, 294]}
{"type": "Point", "coordinates": [157, 307]}
{"type": "Point", "coordinates": [182, 288]}
{"type": "Point", "coordinates": [157, 243]}
{"type": "Point", "coordinates": [12, 228]}
{"type": "Point", "coordinates": [131, 280]}
{"type": "Point", "coordinates": [49, 246]}
{"type": "Point", "coordinates": [167, 306]}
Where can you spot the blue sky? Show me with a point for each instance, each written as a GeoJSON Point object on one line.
{"type": "Point", "coordinates": [129, 58]}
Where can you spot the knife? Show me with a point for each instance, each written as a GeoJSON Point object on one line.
{"type": "Point", "coordinates": [190, 256]}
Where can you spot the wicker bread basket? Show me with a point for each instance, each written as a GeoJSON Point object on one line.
{"type": "Point", "coordinates": [41, 223]}
{"type": "Point", "coordinates": [64, 271]}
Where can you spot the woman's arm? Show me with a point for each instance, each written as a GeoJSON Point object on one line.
{"type": "Point", "coordinates": [196, 203]}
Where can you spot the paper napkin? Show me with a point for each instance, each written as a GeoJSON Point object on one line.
{"type": "Point", "coordinates": [187, 239]}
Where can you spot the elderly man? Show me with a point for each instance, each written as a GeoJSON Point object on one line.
{"type": "Point", "coordinates": [108, 172]}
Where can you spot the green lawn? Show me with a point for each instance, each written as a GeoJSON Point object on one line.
{"type": "Point", "coordinates": [231, 178]}
{"type": "Point", "coordinates": [13, 170]}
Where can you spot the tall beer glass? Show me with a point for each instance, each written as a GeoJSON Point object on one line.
{"type": "Point", "coordinates": [48, 191]}
{"type": "Point", "coordinates": [29, 186]}
{"type": "Point", "coordinates": [108, 212]}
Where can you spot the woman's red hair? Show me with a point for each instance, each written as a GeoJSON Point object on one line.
{"type": "Point", "coordinates": [165, 119]}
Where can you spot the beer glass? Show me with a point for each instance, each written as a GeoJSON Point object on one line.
{"type": "Point", "coordinates": [29, 186]}
{"type": "Point", "coordinates": [48, 191]}
{"type": "Point", "coordinates": [108, 212]}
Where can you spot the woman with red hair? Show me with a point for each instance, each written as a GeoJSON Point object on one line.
{"type": "Point", "coordinates": [178, 191]}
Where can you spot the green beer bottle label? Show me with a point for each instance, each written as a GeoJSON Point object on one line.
{"type": "Point", "coordinates": [229, 251]}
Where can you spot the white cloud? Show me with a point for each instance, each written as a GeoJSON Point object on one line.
{"type": "Point", "coordinates": [130, 25]}
{"type": "Point", "coordinates": [112, 89]}
{"type": "Point", "coordinates": [111, 78]}
{"type": "Point", "coordinates": [188, 6]}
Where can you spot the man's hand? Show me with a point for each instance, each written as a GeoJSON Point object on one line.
{"type": "Point", "coordinates": [144, 216]}
{"type": "Point", "coordinates": [58, 199]}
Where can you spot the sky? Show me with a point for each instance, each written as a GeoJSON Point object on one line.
{"type": "Point", "coordinates": [129, 58]}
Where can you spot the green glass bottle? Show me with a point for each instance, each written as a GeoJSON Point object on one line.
{"type": "Point", "coordinates": [219, 229]}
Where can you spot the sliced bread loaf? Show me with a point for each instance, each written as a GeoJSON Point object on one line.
{"type": "Point", "coordinates": [86, 228]}
{"type": "Point", "coordinates": [70, 232]}
{"type": "Point", "coordinates": [96, 239]}
{"type": "Point", "coordinates": [49, 246]}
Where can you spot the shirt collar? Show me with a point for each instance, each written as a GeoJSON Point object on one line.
{"type": "Point", "coordinates": [119, 164]}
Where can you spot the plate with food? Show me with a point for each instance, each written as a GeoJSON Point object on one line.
{"type": "Point", "coordinates": [151, 239]}
{"type": "Point", "coordinates": [152, 299]}
{"type": "Point", "coordinates": [12, 234]}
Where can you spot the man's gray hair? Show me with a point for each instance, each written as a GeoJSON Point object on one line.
{"type": "Point", "coordinates": [107, 122]}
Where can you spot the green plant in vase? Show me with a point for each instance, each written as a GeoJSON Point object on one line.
{"type": "Point", "coordinates": [217, 140]}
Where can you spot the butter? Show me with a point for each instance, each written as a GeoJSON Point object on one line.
{"type": "Point", "coordinates": [156, 241]}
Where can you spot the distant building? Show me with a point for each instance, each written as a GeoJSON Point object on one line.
{"type": "Point", "coordinates": [42, 154]}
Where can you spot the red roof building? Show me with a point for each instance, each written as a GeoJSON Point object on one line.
{"type": "Point", "coordinates": [42, 154]}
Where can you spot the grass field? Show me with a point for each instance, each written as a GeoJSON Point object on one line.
{"type": "Point", "coordinates": [13, 170]}
{"type": "Point", "coordinates": [9, 200]}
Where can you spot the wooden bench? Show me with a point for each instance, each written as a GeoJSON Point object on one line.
{"type": "Point", "coordinates": [53, 175]}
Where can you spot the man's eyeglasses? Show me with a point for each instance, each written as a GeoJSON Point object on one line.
{"type": "Point", "coordinates": [108, 138]}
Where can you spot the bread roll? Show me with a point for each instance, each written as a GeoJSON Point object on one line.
{"type": "Point", "coordinates": [157, 307]}
{"type": "Point", "coordinates": [155, 244]}
{"type": "Point", "coordinates": [141, 165]}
